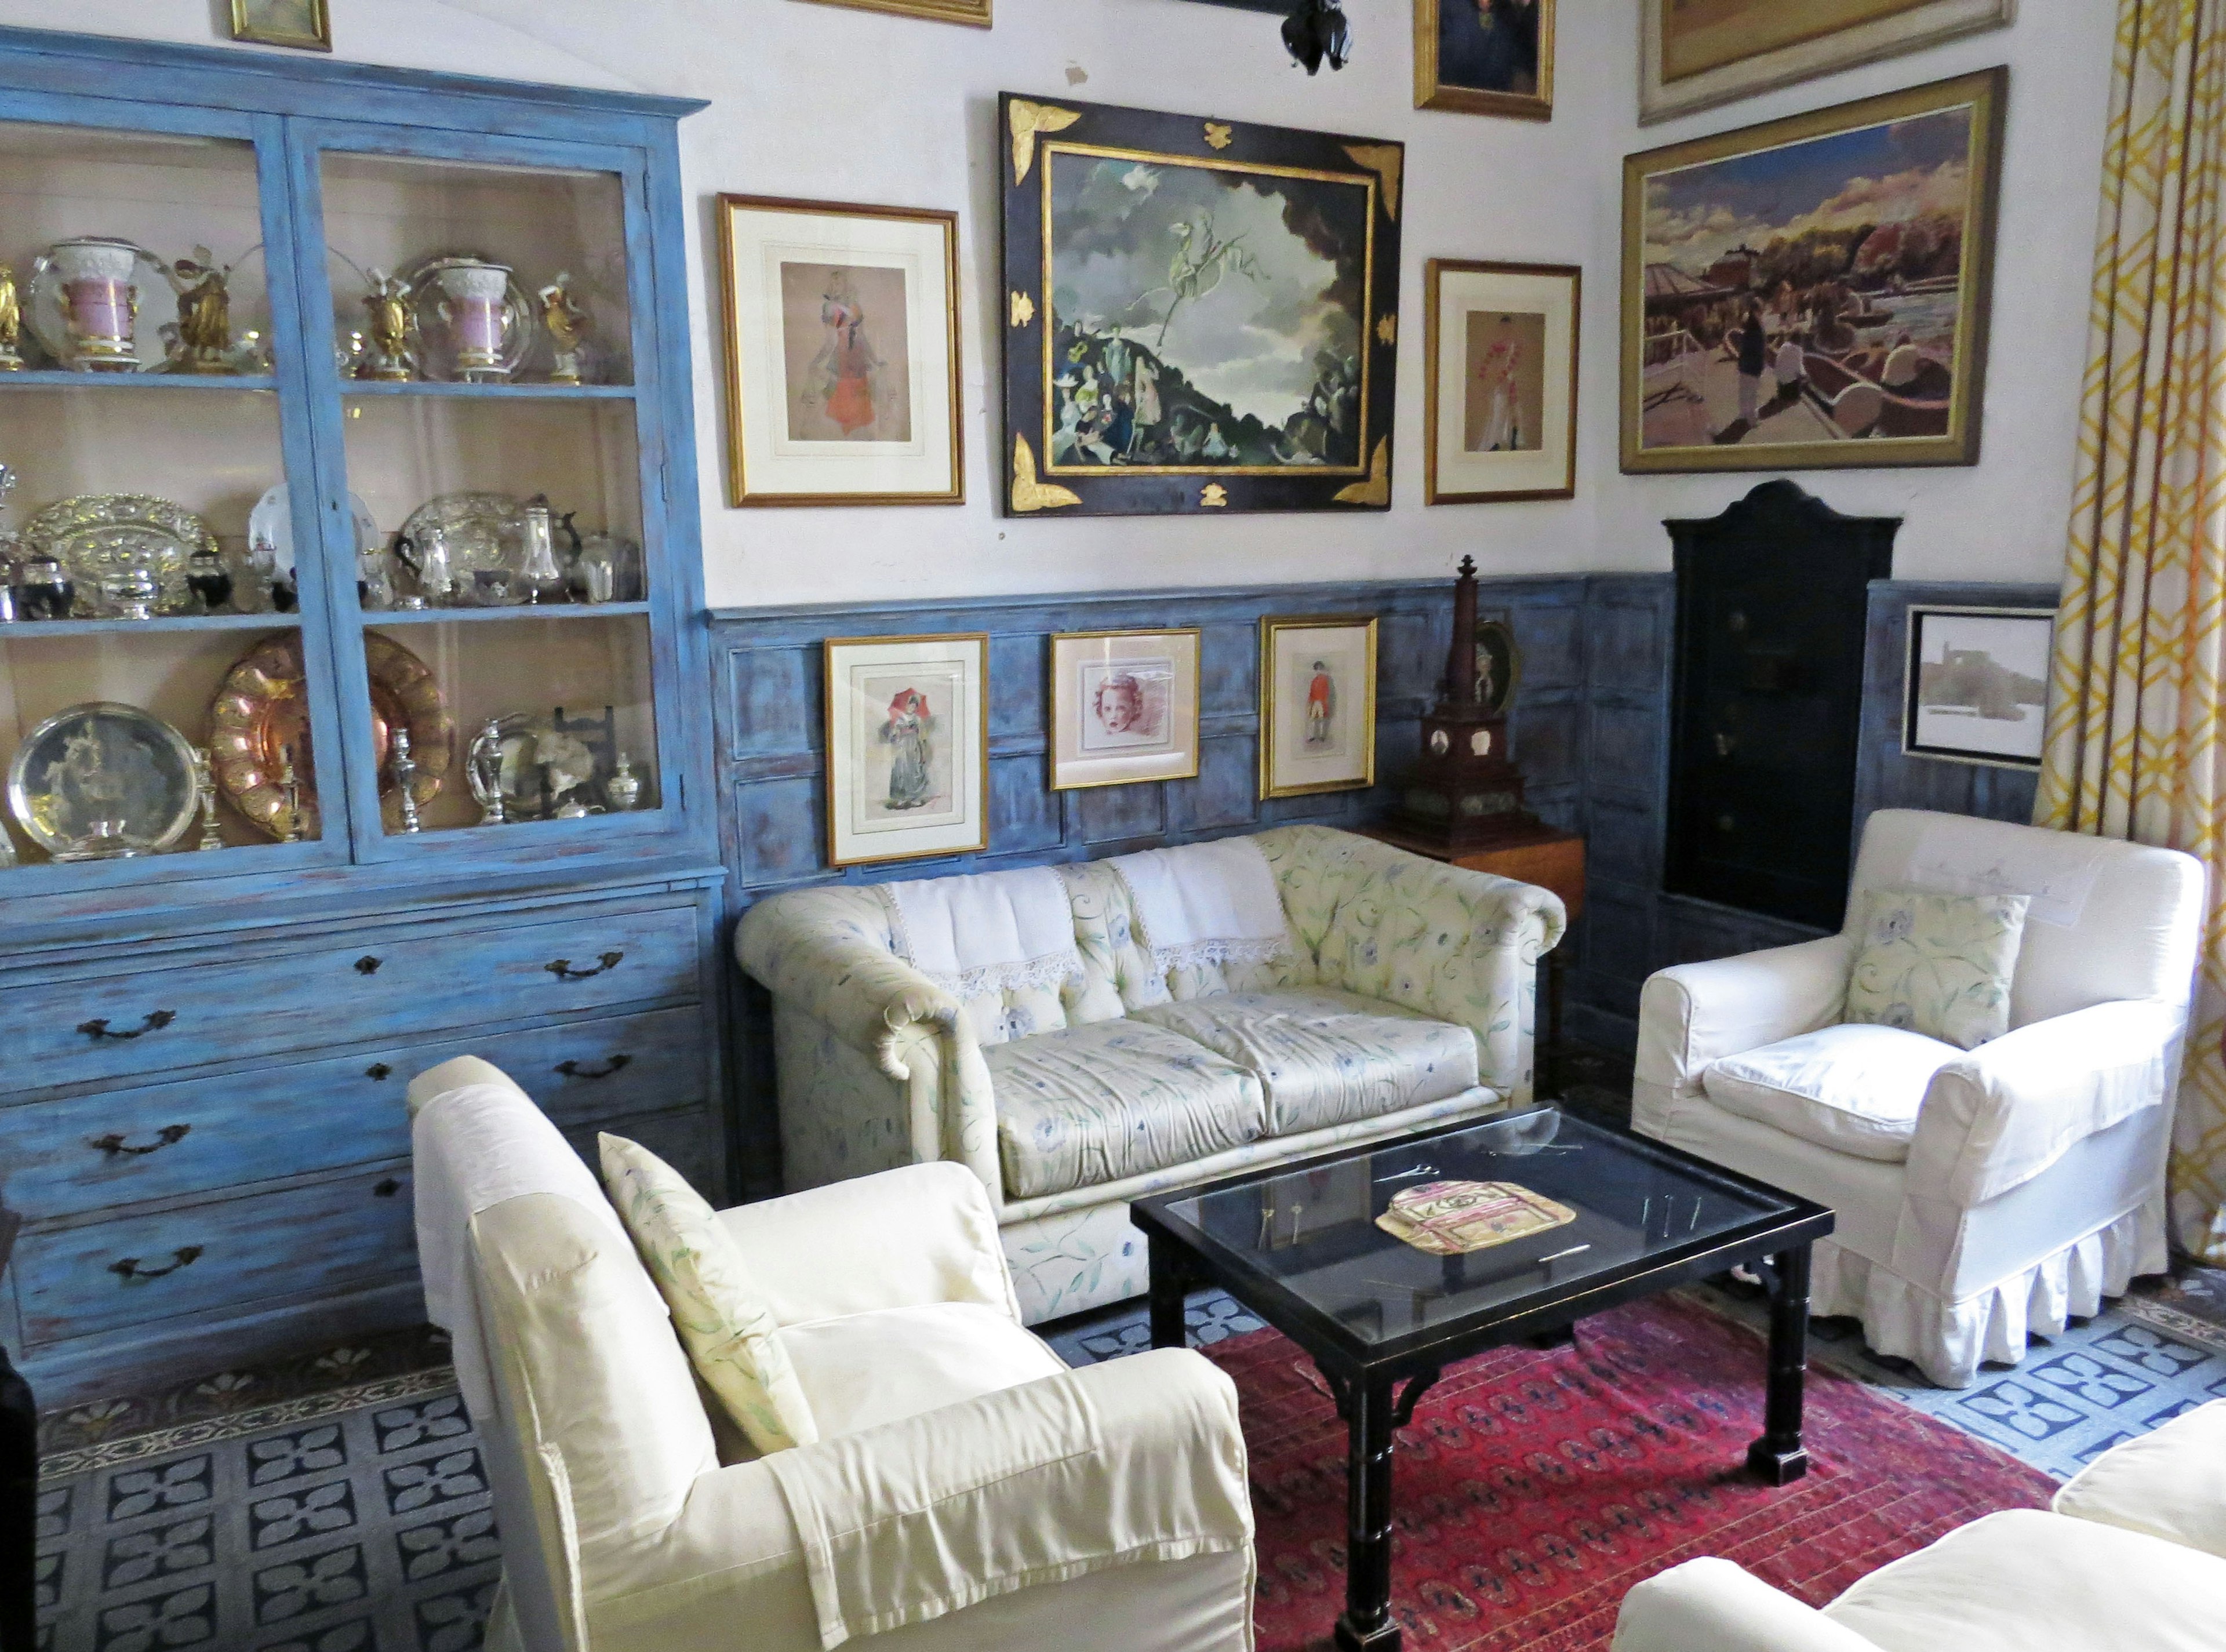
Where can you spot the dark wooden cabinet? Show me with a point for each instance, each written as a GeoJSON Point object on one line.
{"type": "Point", "coordinates": [1772, 600]}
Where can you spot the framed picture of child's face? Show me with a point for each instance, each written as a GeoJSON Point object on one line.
{"type": "Point", "coordinates": [842, 353]}
{"type": "Point", "coordinates": [1486, 57]}
{"type": "Point", "coordinates": [301, 23]}
{"type": "Point", "coordinates": [907, 747]}
{"type": "Point", "coordinates": [1316, 704]}
{"type": "Point", "coordinates": [1123, 707]}
{"type": "Point", "coordinates": [1500, 411]}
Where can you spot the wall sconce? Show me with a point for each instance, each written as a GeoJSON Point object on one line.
{"type": "Point", "coordinates": [1314, 31]}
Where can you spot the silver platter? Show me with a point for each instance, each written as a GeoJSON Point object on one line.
{"type": "Point", "coordinates": [83, 532]}
{"type": "Point", "coordinates": [435, 360]}
{"type": "Point", "coordinates": [102, 780]}
{"type": "Point", "coordinates": [483, 531]}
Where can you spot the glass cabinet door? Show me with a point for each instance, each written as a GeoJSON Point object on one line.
{"type": "Point", "coordinates": [162, 713]}
{"type": "Point", "coordinates": [500, 531]}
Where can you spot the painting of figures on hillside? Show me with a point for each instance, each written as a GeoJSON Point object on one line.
{"type": "Point", "coordinates": [1197, 299]}
{"type": "Point", "coordinates": [1812, 292]}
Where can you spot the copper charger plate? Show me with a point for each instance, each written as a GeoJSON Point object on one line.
{"type": "Point", "coordinates": [261, 712]}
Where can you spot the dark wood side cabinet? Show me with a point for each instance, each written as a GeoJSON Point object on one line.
{"type": "Point", "coordinates": [1768, 680]}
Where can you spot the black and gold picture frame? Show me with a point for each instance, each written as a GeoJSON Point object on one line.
{"type": "Point", "coordinates": [1200, 316]}
{"type": "Point", "coordinates": [302, 24]}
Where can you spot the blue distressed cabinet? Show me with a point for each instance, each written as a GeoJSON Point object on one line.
{"type": "Point", "coordinates": [204, 1043]}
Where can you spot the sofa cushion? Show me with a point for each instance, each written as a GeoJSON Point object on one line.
{"type": "Point", "coordinates": [865, 1369]}
{"type": "Point", "coordinates": [1325, 1057]}
{"type": "Point", "coordinates": [2171, 1483]}
{"type": "Point", "coordinates": [1855, 1089]}
{"type": "Point", "coordinates": [1088, 1105]}
{"type": "Point", "coordinates": [2025, 1580]}
{"type": "Point", "coordinates": [1936, 964]}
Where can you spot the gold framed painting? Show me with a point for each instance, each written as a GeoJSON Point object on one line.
{"type": "Point", "coordinates": [908, 747]}
{"type": "Point", "coordinates": [1316, 704]}
{"type": "Point", "coordinates": [1500, 404]}
{"type": "Point", "coordinates": [1813, 293]}
{"type": "Point", "coordinates": [976, 12]}
{"type": "Point", "coordinates": [1123, 707]}
{"type": "Point", "coordinates": [1486, 57]}
{"type": "Point", "coordinates": [1697, 54]}
{"type": "Point", "coordinates": [843, 375]}
{"type": "Point", "coordinates": [303, 24]}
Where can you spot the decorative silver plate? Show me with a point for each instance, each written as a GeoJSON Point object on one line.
{"type": "Point", "coordinates": [102, 780]}
{"type": "Point", "coordinates": [483, 531]}
{"type": "Point", "coordinates": [436, 360]}
{"type": "Point", "coordinates": [95, 534]}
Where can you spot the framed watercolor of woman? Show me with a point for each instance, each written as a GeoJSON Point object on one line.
{"type": "Point", "coordinates": [907, 747]}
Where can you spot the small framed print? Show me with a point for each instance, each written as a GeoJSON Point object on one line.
{"type": "Point", "coordinates": [1317, 705]}
{"type": "Point", "coordinates": [301, 23]}
{"type": "Point", "coordinates": [1976, 687]}
{"type": "Point", "coordinates": [1500, 407]}
{"type": "Point", "coordinates": [1123, 707]}
{"type": "Point", "coordinates": [1486, 57]}
{"type": "Point", "coordinates": [842, 353]}
{"type": "Point", "coordinates": [907, 747]}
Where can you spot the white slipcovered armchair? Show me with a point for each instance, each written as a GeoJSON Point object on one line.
{"type": "Point", "coordinates": [1982, 1194]}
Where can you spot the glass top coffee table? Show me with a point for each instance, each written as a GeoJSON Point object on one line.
{"type": "Point", "coordinates": [1298, 1246]}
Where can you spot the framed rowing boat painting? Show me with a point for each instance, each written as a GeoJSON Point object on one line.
{"type": "Point", "coordinates": [1200, 316]}
{"type": "Point", "coordinates": [1813, 292]}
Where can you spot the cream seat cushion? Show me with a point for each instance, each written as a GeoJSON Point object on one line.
{"type": "Point", "coordinates": [1855, 1089]}
{"type": "Point", "coordinates": [1091, 1104]}
{"type": "Point", "coordinates": [1325, 1056]}
{"type": "Point", "coordinates": [2026, 1581]}
{"type": "Point", "coordinates": [723, 1322]}
{"type": "Point", "coordinates": [868, 1368]}
{"type": "Point", "coordinates": [2170, 1484]}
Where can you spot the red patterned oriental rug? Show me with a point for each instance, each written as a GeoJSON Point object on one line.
{"type": "Point", "coordinates": [1533, 1489]}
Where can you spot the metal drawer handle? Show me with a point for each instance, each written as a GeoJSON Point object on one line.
{"type": "Point", "coordinates": [616, 1064]}
{"type": "Point", "coordinates": [128, 1268]}
{"type": "Point", "coordinates": [368, 965]}
{"type": "Point", "coordinates": [562, 970]}
{"type": "Point", "coordinates": [156, 1021]}
{"type": "Point", "coordinates": [169, 1136]}
{"type": "Point", "coordinates": [386, 1188]}
{"type": "Point", "coordinates": [378, 1070]}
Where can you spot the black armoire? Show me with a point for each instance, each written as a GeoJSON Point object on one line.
{"type": "Point", "coordinates": [1773, 599]}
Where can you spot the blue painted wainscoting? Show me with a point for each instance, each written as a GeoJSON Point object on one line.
{"type": "Point", "coordinates": [768, 665]}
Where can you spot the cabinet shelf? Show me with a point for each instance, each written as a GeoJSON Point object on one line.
{"type": "Point", "coordinates": [439, 388]}
{"type": "Point", "coordinates": [524, 611]}
{"type": "Point", "coordinates": [63, 379]}
{"type": "Point", "coordinates": [23, 629]}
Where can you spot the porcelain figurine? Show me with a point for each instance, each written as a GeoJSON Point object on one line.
{"type": "Point", "coordinates": [568, 328]}
{"type": "Point", "coordinates": [203, 338]}
{"type": "Point", "coordinates": [388, 355]}
{"type": "Point", "coordinates": [11, 321]}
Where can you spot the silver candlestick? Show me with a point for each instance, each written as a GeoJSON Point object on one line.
{"type": "Point", "coordinates": [205, 782]}
{"type": "Point", "coordinates": [483, 768]}
{"type": "Point", "coordinates": [403, 768]}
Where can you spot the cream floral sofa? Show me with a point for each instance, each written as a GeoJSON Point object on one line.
{"type": "Point", "coordinates": [1406, 999]}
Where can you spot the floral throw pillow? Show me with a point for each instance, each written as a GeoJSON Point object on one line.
{"type": "Point", "coordinates": [726, 1327]}
{"type": "Point", "coordinates": [1936, 964]}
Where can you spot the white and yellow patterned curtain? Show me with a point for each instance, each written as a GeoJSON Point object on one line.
{"type": "Point", "coordinates": [2135, 707]}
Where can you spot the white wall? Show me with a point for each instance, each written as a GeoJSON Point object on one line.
{"type": "Point", "coordinates": [821, 102]}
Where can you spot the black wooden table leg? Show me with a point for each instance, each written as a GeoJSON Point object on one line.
{"type": "Point", "coordinates": [1778, 1456]}
{"type": "Point", "coordinates": [1169, 1329]}
{"type": "Point", "coordinates": [1367, 1624]}
{"type": "Point", "coordinates": [19, 1494]}
{"type": "Point", "coordinates": [1552, 1062]}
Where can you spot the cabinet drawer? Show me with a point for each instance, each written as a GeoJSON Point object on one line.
{"type": "Point", "coordinates": [207, 1258]}
{"type": "Point", "coordinates": [687, 1141]}
{"type": "Point", "coordinates": [201, 1135]}
{"type": "Point", "coordinates": [221, 1009]}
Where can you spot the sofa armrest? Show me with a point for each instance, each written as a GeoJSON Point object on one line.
{"type": "Point", "coordinates": [1997, 1116]}
{"type": "Point", "coordinates": [1691, 1014]}
{"type": "Point", "coordinates": [900, 1239]}
{"type": "Point", "coordinates": [1714, 1605]}
{"type": "Point", "coordinates": [1135, 1460]}
{"type": "Point", "coordinates": [865, 994]}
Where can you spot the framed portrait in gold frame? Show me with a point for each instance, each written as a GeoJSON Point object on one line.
{"type": "Point", "coordinates": [976, 12]}
{"type": "Point", "coordinates": [1698, 54]}
{"type": "Point", "coordinates": [1316, 704]}
{"type": "Point", "coordinates": [1486, 57]}
{"type": "Point", "coordinates": [841, 344]}
{"type": "Point", "coordinates": [1813, 293]}
{"type": "Point", "coordinates": [1123, 707]}
{"type": "Point", "coordinates": [302, 24]}
{"type": "Point", "coordinates": [1500, 407]}
{"type": "Point", "coordinates": [908, 747]}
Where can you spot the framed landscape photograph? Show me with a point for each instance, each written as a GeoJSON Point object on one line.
{"type": "Point", "coordinates": [1976, 687]}
{"type": "Point", "coordinates": [907, 747]}
{"type": "Point", "coordinates": [303, 24]}
{"type": "Point", "coordinates": [1201, 315]}
{"type": "Point", "coordinates": [1500, 405]}
{"type": "Point", "coordinates": [842, 353]}
{"type": "Point", "coordinates": [1316, 704]}
{"type": "Point", "coordinates": [1486, 57]}
{"type": "Point", "coordinates": [1697, 54]}
{"type": "Point", "coordinates": [1813, 292]}
{"type": "Point", "coordinates": [1123, 707]}
{"type": "Point", "coordinates": [976, 12]}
